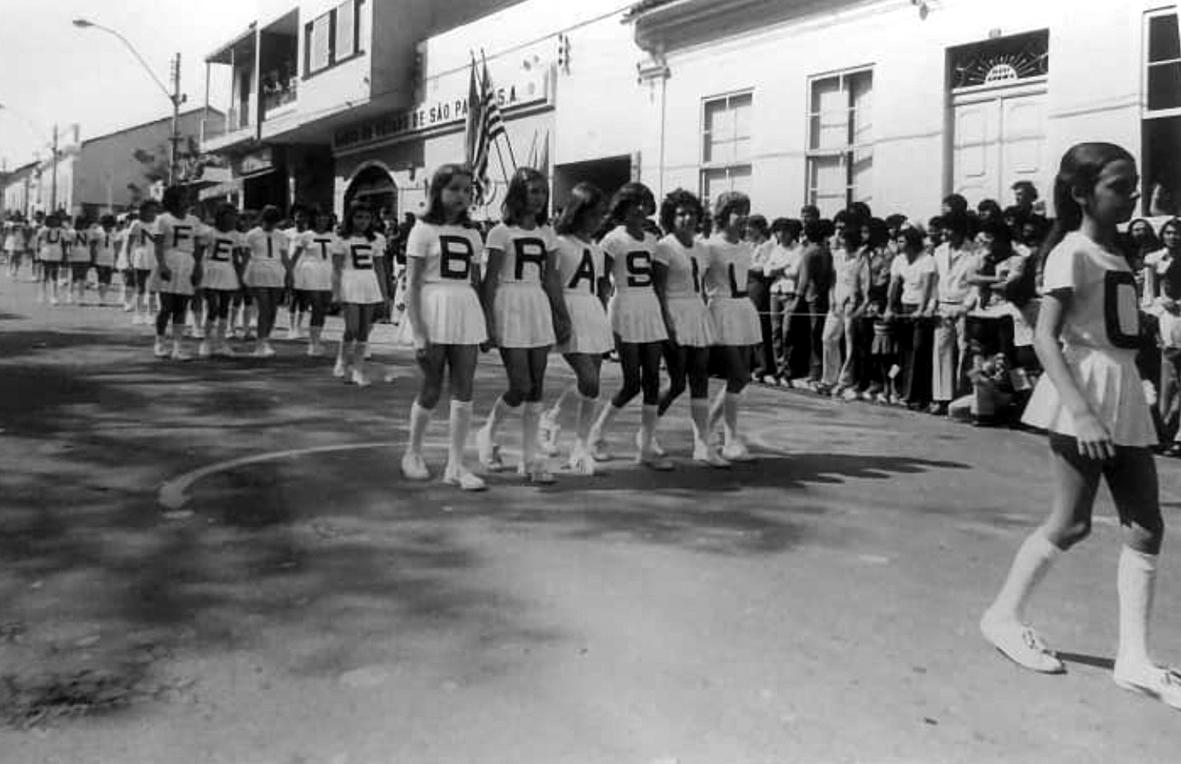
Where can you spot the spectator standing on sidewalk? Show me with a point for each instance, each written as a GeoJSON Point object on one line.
{"type": "Point", "coordinates": [954, 264]}
{"type": "Point", "coordinates": [812, 289]}
{"type": "Point", "coordinates": [759, 289]}
{"type": "Point", "coordinates": [783, 270]}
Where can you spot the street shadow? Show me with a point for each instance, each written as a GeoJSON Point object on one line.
{"type": "Point", "coordinates": [1094, 661]}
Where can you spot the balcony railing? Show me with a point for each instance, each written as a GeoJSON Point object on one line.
{"type": "Point", "coordinates": [279, 92]}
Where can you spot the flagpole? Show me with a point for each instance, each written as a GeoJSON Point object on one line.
{"type": "Point", "coordinates": [507, 142]}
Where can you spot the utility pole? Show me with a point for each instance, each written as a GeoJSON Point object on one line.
{"type": "Point", "coordinates": [174, 141]}
{"type": "Point", "coordinates": [53, 180]}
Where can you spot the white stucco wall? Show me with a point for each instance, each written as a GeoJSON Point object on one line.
{"type": "Point", "coordinates": [1093, 90]}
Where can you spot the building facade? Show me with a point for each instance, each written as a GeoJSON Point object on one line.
{"type": "Point", "coordinates": [18, 190]}
{"type": "Point", "coordinates": [899, 102]}
{"type": "Point", "coordinates": [892, 102]}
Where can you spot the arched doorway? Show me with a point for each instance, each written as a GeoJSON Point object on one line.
{"type": "Point", "coordinates": [373, 185]}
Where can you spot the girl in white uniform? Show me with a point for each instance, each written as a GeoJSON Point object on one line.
{"type": "Point", "coordinates": [639, 320]}
{"type": "Point", "coordinates": [16, 243]}
{"type": "Point", "coordinates": [219, 280]}
{"type": "Point", "coordinates": [311, 271]}
{"type": "Point", "coordinates": [359, 280]}
{"type": "Point", "coordinates": [297, 306]}
{"type": "Point", "coordinates": [179, 238]}
{"type": "Point", "coordinates": [81, 260]}
{"type": "Point", "coordinates": [523, 307]}
{"type": "Point", "coordinates": [104, 246]}
{"type": "Point", "coordinates": [267, 265]}
{"type": "Point", "coordinates": [735, 318]}
{"type": "Point", "coordinates": [1091, 401]}
{"type": "Point", "coordinates": [681, 262]}
{"type": "Point", "coordinates": [582, 273]}
{"type": "Point", "coordinates": [442, 257]}
{"type": "Point", "coordinates": [51, 252]}
{"type": "Point", "coordinates": [142, 258]}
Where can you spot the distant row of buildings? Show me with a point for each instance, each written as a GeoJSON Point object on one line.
{"type": "Point", "coordinates": [111, 172]}
{"type": "Point", "coordinates": [891, 102]}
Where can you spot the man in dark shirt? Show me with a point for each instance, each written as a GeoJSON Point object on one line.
{"type": "Point", "coordinates": [812, 290]}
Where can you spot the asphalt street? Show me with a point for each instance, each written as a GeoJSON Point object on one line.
{"type": "Point", "coordinates": [218, 561]}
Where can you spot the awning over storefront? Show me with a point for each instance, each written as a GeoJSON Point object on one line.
{"type": "Point", "coordinates": [220, 189]}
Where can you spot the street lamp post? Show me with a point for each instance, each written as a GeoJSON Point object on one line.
{"type": "Point", "coordinates": [175, 96]}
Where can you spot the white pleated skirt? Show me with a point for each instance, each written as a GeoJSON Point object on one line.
{"type": "Point", "coordinates": [122, 261]}
{"type": "Point", "coordinates": [143, 258]}
{"type": "Point", "coordinates": [104, 259]}
{"type": "Point", "coordinates": [181, 279]}
{"type": "Point", "coordinates": [523, 316]}
{"type": "Point", "coordinates": [452, 315]}
{"type": "Point", "coordinates": [267, 274]}
{"type": "Point", "coordinates": [1113, 388]}
{"type": "Point", "coordinates": [692, 322]}
{"type": "Point", "coordinates": [313, 277]}
{"type": "Point", "coordinates": [220, 275]}
{"type": "Point", "coordinates": [360, 287]}
{"type": "Point", "coordinates": [636, 318]}
{"type": "Point", "coordinates": [736, 322]}
{"type": "Point", "coordinates": [590, 331]}
{"type": "Point", "coordinates": [79, 256]}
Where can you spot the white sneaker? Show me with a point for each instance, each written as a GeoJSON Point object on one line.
{"type": "Point", "coordinates": [654, 462]}
{"type": "Point", "coordinates": [161, 349]}
{"type": "Point", "coordinates": [737, 451]}
{"type": "Point", "coordinates": [180, 354]}
{"type": "Point", "coordinates": [313, 351]}
{"type": "Point", "coordinates": [225, 351]}
{"type": "Point", "coordinates": [598, 448]}
{"type": "Point", "coordinates": [705, 455]}
{"type": "Point", "coordinates": [414, 467]}
{"type": "Point", "coordinates": [341, 369]}
{"type": "Point", "coordinates": [654, 446]}
{"type": "Point", "coordinates": [489, 452]}
{"type": "Point", "coordinates": [1021, 644]}
{"type": "Point", "coordinates": [198, 333]}
{"type": "Point", "coordinates": [359, 379]}
{"type": "Point", "coordinates": [54, 301]}
{"type": "Point", "coordinates": [538, 473]}
{"type": "Point", "coordinates": [1160, 682]}
{"type": "Point", "coordinates": [464, 478]}
{"type": "Point", "coordinates": [128, 307]}
{"type": "Point", "coordinates": [581, 462]}
{"type": "Point", "coordinates": [204, 350]}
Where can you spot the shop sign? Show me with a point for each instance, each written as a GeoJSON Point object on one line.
{"type": "Point", "coordinates": [449, 108]}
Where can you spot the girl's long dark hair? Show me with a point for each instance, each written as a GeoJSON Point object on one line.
{"type": "Point", "coordinates": [174, 201]}
{"type": "Point", "coordinates": [679, 199]}
{"type": "Point", "coordinates": [346, 229]}
{"type": "Point", "coordinates": [435, 213]}
{"type": "Point", "coordinates": [516, 201]}
{"type": "Point", "coordinates": [584, 199]}
{"type": "Point", "coordinates": [631, 195]}
{"type": "Point", "coordinates": [1080, 168]}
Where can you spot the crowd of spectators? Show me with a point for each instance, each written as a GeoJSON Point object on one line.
{"type": "Point", "coordinates": [938, 315]}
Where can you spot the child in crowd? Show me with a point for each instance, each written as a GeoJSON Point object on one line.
{"type": "Point", "coordinates": [359, 281]}
{"type": "Point", "coordinates": [179, 238]}
{"type": "Point", "coordinates": [220, 281]}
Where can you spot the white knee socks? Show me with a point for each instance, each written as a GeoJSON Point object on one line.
{"type": "Point", "coordinates": [699, 413]}
{"type": "Point", "coordinates": [1029, 567]}
{"type": "Point", "coordinates": [1135, 583]}
{"type": "Point", "coordinates": [555, 411]}
{"type": "Point", "coordinates": [500, 409]}
{"type": "Point", "coordinates": [419, 419]}
{"type": "Point", "coordinates": [586, 418]}
{"type": "Point", "coordinates": [530, 424]}
{"type": "Point", "coordinates": [606, 417]}
{"type": "Point", "coordinates": [715, 412]}
{"type": "Point", "coordinates": [461, 421]}
{"type": "Point", "coordinates": [648, 419]}
{"type": "Point", "coordinates": [730, 416]}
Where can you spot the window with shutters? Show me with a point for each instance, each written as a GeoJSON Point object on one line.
{"type": "Point", "coordinates": [333, 37]}
{"type": "Point", "coordinates": [840, 140]}
{"type": "Point", "coordinates": [1161, 114]}
{"type": "Point", "coordinates": [726, 157]}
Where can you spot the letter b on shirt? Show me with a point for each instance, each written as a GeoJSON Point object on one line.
{"type": "Point", "coordinates": [455, 257]}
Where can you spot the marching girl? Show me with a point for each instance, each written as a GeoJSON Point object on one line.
{"type": "Point", "coordinates": [179, 237]}
{"type": "Point", "coordinates": [522, 308]}
{"type": "Point", "coordinates": [104, 245]}
{"type": "Point", "coordinates": [639, 320]}
{"type": "Point", "coordinates": [267, 265]}
{"type": "Point", "coordinates": [735, 318]}
{"type": "Point", "coordinates": [447, 322]}
{"type": "Point", "coordinates": [359, 280]}
{"type": "Point", "coordinates": [78, 254]}
{"type": "Point", "coordinates": [15, 244]}
{"type": "Point", "coordinates": [123, 263]}
{"type": "Point", "coordinates": [297, 308]}
{"type": "Point", "coordinates": [142, 257]}
{"type": "Point", "coordinates": [51, 252]}
{"type": "Point", "coordinates": [681, 262]}
{"type": "Point", "coordinates": [582, 273]}
{"type": "Point", "coordinates": [311, 270]}
{"type": "Point", "coordinates": [1092, 403]}
{"type": "Point", "coordinates": [219, 280]}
